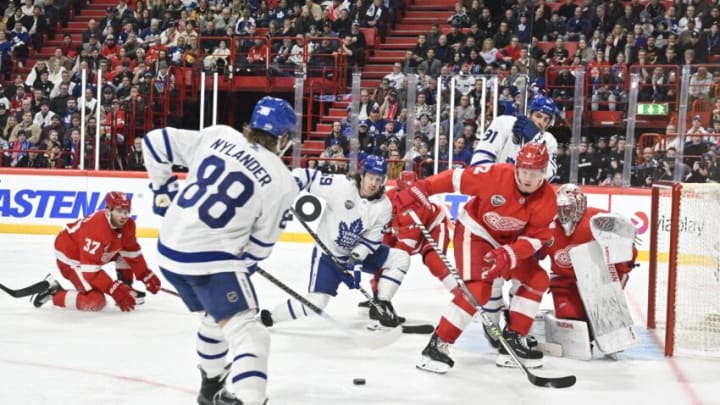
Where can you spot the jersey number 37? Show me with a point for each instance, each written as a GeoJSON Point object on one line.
{"type": "Point", "coordinates": [219, 207]}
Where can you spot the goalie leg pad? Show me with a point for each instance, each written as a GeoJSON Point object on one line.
{"type": "Point", "coordinates": [211, 346]}
{"type": "Point", "coordinates": [249, 342]}
{"type": "Point", "coordinates": [571, 334]}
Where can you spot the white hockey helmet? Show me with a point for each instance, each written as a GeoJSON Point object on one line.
{"type": "Point", "coordinates": [571, 205]}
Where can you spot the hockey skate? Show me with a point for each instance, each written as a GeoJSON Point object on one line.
{"type": "Point", "coordinates": [435, 357]}
{"type": "Point", "coordinates": [530, 357]}
{"type": "Point", "coordinates": [266, 318]}
{"type": "Point", "coordinates": [42, 297]}
{"type": "Point", "coordinates": [213, 392]}
{"type": "Point", "coordinates": [389, 317]}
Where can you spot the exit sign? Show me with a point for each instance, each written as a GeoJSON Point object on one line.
{"type": "Point", "coordinates": [652, 109]}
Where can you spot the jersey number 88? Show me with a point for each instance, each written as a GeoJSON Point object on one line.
{"type": "Point", "coordinates": [210, 172]}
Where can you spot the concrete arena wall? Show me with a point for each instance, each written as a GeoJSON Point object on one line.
{"type": "Point", "coordinates": [35, 201]}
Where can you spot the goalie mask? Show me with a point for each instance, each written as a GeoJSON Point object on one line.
{"type": "Point", "coordinates": [571, 205]}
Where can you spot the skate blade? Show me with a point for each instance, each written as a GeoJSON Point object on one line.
{"type": "Point", "coordinates": [504, 360]}
{"type": "Point", "coordinates": [433, 366]}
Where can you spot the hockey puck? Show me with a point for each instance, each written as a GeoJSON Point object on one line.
{"type": "Point", "coordinates": [358, 381]}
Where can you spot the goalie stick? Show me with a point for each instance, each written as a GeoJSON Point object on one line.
{"type": "Point", "coordinates": [493, 328]}
{"type": "Point", "coordinates": [369, 340]}
{"type": "Point", "coordinates": [27, 291]}
{"type": "Point", "coordinates": [419, 329]}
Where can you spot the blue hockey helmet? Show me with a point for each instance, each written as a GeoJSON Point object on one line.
{"type": "Point", "coordinates": [274, 116]}
{"type": "Point", "coordinates": [544, 105]}
{"type": "Point", "coordinates": [375, 164]}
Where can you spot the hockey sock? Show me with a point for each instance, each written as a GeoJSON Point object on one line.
{"type": "Point", "coordinates": [249, 342]}
{"type": "Point", "coordinates": [438, 269]}
{"type": "Point", "coordinates": [389, 282]}
{"type": "Point", "coordinates": [92, 301]}
{"type": "Point", "coordinates": [493, 308]}
{"type": "Point", "coordinates": [293, 309]}
{"type": "Point", "coordinates": [523, 308]}
{"type": "Point", "coordinates": [455, 317]}
{"type": "Point", "coordinates": [212, 348]}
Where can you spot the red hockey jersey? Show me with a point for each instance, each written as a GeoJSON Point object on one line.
{"type": "Point", "coordinates": [559, 250]}
{"type": "Point", "coordinates": [91, 243]}
{"type": "Point", "coordinates": [497, 211]}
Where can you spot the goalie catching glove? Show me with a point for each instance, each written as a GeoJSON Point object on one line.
{"type": "Point", "coordinates": [164, 195]}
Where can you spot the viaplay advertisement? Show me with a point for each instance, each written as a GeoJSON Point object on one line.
{"type": "Point", "coordinates": [42, 201]}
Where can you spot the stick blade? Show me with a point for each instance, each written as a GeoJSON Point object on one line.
{"type": "Point", "coordinates": [378, 338]}
{"type": "Point", "coordinates": [552, 382]}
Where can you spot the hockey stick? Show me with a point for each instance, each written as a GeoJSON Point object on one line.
{"type": "Point", "coordinates": [27, 291]}
{"type": "Point", "coordinates": [421, 329]}
{"type": "Point", "coordinates": [168, 291]}
{"type": "Point", "coordinates": [493, 328]}
{"type": "Point", "coordinates": [370, 340]}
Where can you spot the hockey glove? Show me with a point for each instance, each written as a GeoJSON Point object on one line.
{"type": "Point", "coordinates": [352, 274]}
{"type": "Point", "coordinates": [497, 264]}
{"type": "Point", "coordinates": [412, 197]}
{"type": "Point", "coordinates": [164, 196]}
{"type": "Point", "coordinates": [524, 130]}
{"type": "Point", "coordinates": [151, 281]}
{"type": "Point", "coordinates": [122, 294]}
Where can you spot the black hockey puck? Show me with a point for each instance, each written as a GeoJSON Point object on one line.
{"type": "Point", "coordinates": [359, 381]}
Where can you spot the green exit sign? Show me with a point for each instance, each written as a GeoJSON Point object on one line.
{"type": "Point", "coordinates": [652, 109]}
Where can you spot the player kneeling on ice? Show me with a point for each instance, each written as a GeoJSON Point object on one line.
{"type": "Point", "coordinates": [405, 235]}
{"type": "Point", "coordinates": [231, 211]}
{"type": "Point", "coordinates": [351, 227]}
{"type": "Point", "coordinates": [507, 219]}
{"type": "Point", "coordinates": [83, 247]}
{"type": "Point", "coordinates": [574, 284]}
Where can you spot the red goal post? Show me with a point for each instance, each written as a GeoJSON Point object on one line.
{"type": "Point", "coordinates": [684, 268]}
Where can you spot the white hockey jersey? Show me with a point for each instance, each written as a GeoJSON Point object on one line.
{"type": "Point", "coordinates": [496, 145]}
{"type": "Point", "coordinates": [233, 206]}
{"type": "Point", "coordinates": [349, 223]}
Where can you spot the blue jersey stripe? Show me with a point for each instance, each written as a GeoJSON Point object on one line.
{"type": "Point", "coordinates": [148, 146]}
{"type": "Point", "coordinates": [207, 339]}
{"type": "Point", "coordinates": [243, 355]}
{"type": "Point", "coordinates": [168, 148]}
{"type": "Point", "coordinates": [487, 152]}
{"type": "Point", "coordinates": [194, 257]}
{"type": "Point", "coordinates": [260, 243]}
{"type": "Point", "coordinates": [370, 241]}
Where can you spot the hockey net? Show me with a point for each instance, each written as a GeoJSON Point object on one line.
{"type": "Point", "coordinates": [684, 268]}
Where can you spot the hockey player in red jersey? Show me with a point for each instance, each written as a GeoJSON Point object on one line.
{"type": "Point", "coordinates": [508, 218]}
{"type": "Point", "coordinates": [573, 228]}
{"type": "Point", "coordinates": [83, 247]}
{"type": "Point", "coordinates": [407, 236]}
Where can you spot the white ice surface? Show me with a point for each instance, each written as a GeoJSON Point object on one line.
{"type": "Point", "coordinates": [59, 356]}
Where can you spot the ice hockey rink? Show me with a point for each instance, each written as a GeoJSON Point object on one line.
{"type": "Point", "coordinates": [57, 356]}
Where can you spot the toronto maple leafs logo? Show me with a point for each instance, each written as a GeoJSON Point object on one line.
{"type": "Point", "coordinates": [349, 234]}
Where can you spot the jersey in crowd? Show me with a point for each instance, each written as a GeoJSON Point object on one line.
{"type": "Point", "coordinates": [227, 173]}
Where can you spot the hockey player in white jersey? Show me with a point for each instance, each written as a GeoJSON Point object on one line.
{"type": "Point", "coordinates": [507, 134]}
{"type": "Point", "coordinates": [226, 218]}
{"type": "Point", "coordinates": [351, 227]}
{"type": "Point", "coordinates": [500, 144]}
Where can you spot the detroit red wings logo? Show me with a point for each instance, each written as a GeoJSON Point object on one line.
{"type": "Point", "coordinates": [503, 224]}
{"type": "Point", "coordinates": [562, 257]}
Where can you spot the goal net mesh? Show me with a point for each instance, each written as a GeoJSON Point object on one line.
{"type": "Point", "coordinates": [696, 311]}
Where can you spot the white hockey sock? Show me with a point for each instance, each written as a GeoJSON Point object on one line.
{"type": "Point", "coordinates": [389, 283]}
{"type": "Point", "coordinates": [493, 308]}
{"type": "Point", "coordinates": [249, 343]}
{"type": "Point", "coordinates": [212, 348]}
{"type": "Point", "coordinates": [292, 309]}
{"type": "Point", "coordinates": [449, 282]}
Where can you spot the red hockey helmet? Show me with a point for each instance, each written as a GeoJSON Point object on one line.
{"type": "Point", "coordinates": [117, 199]}
{"type": "Point", "coordinates": [532, 156]}
{"type": "Point", "coordinates": [406, 180]}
